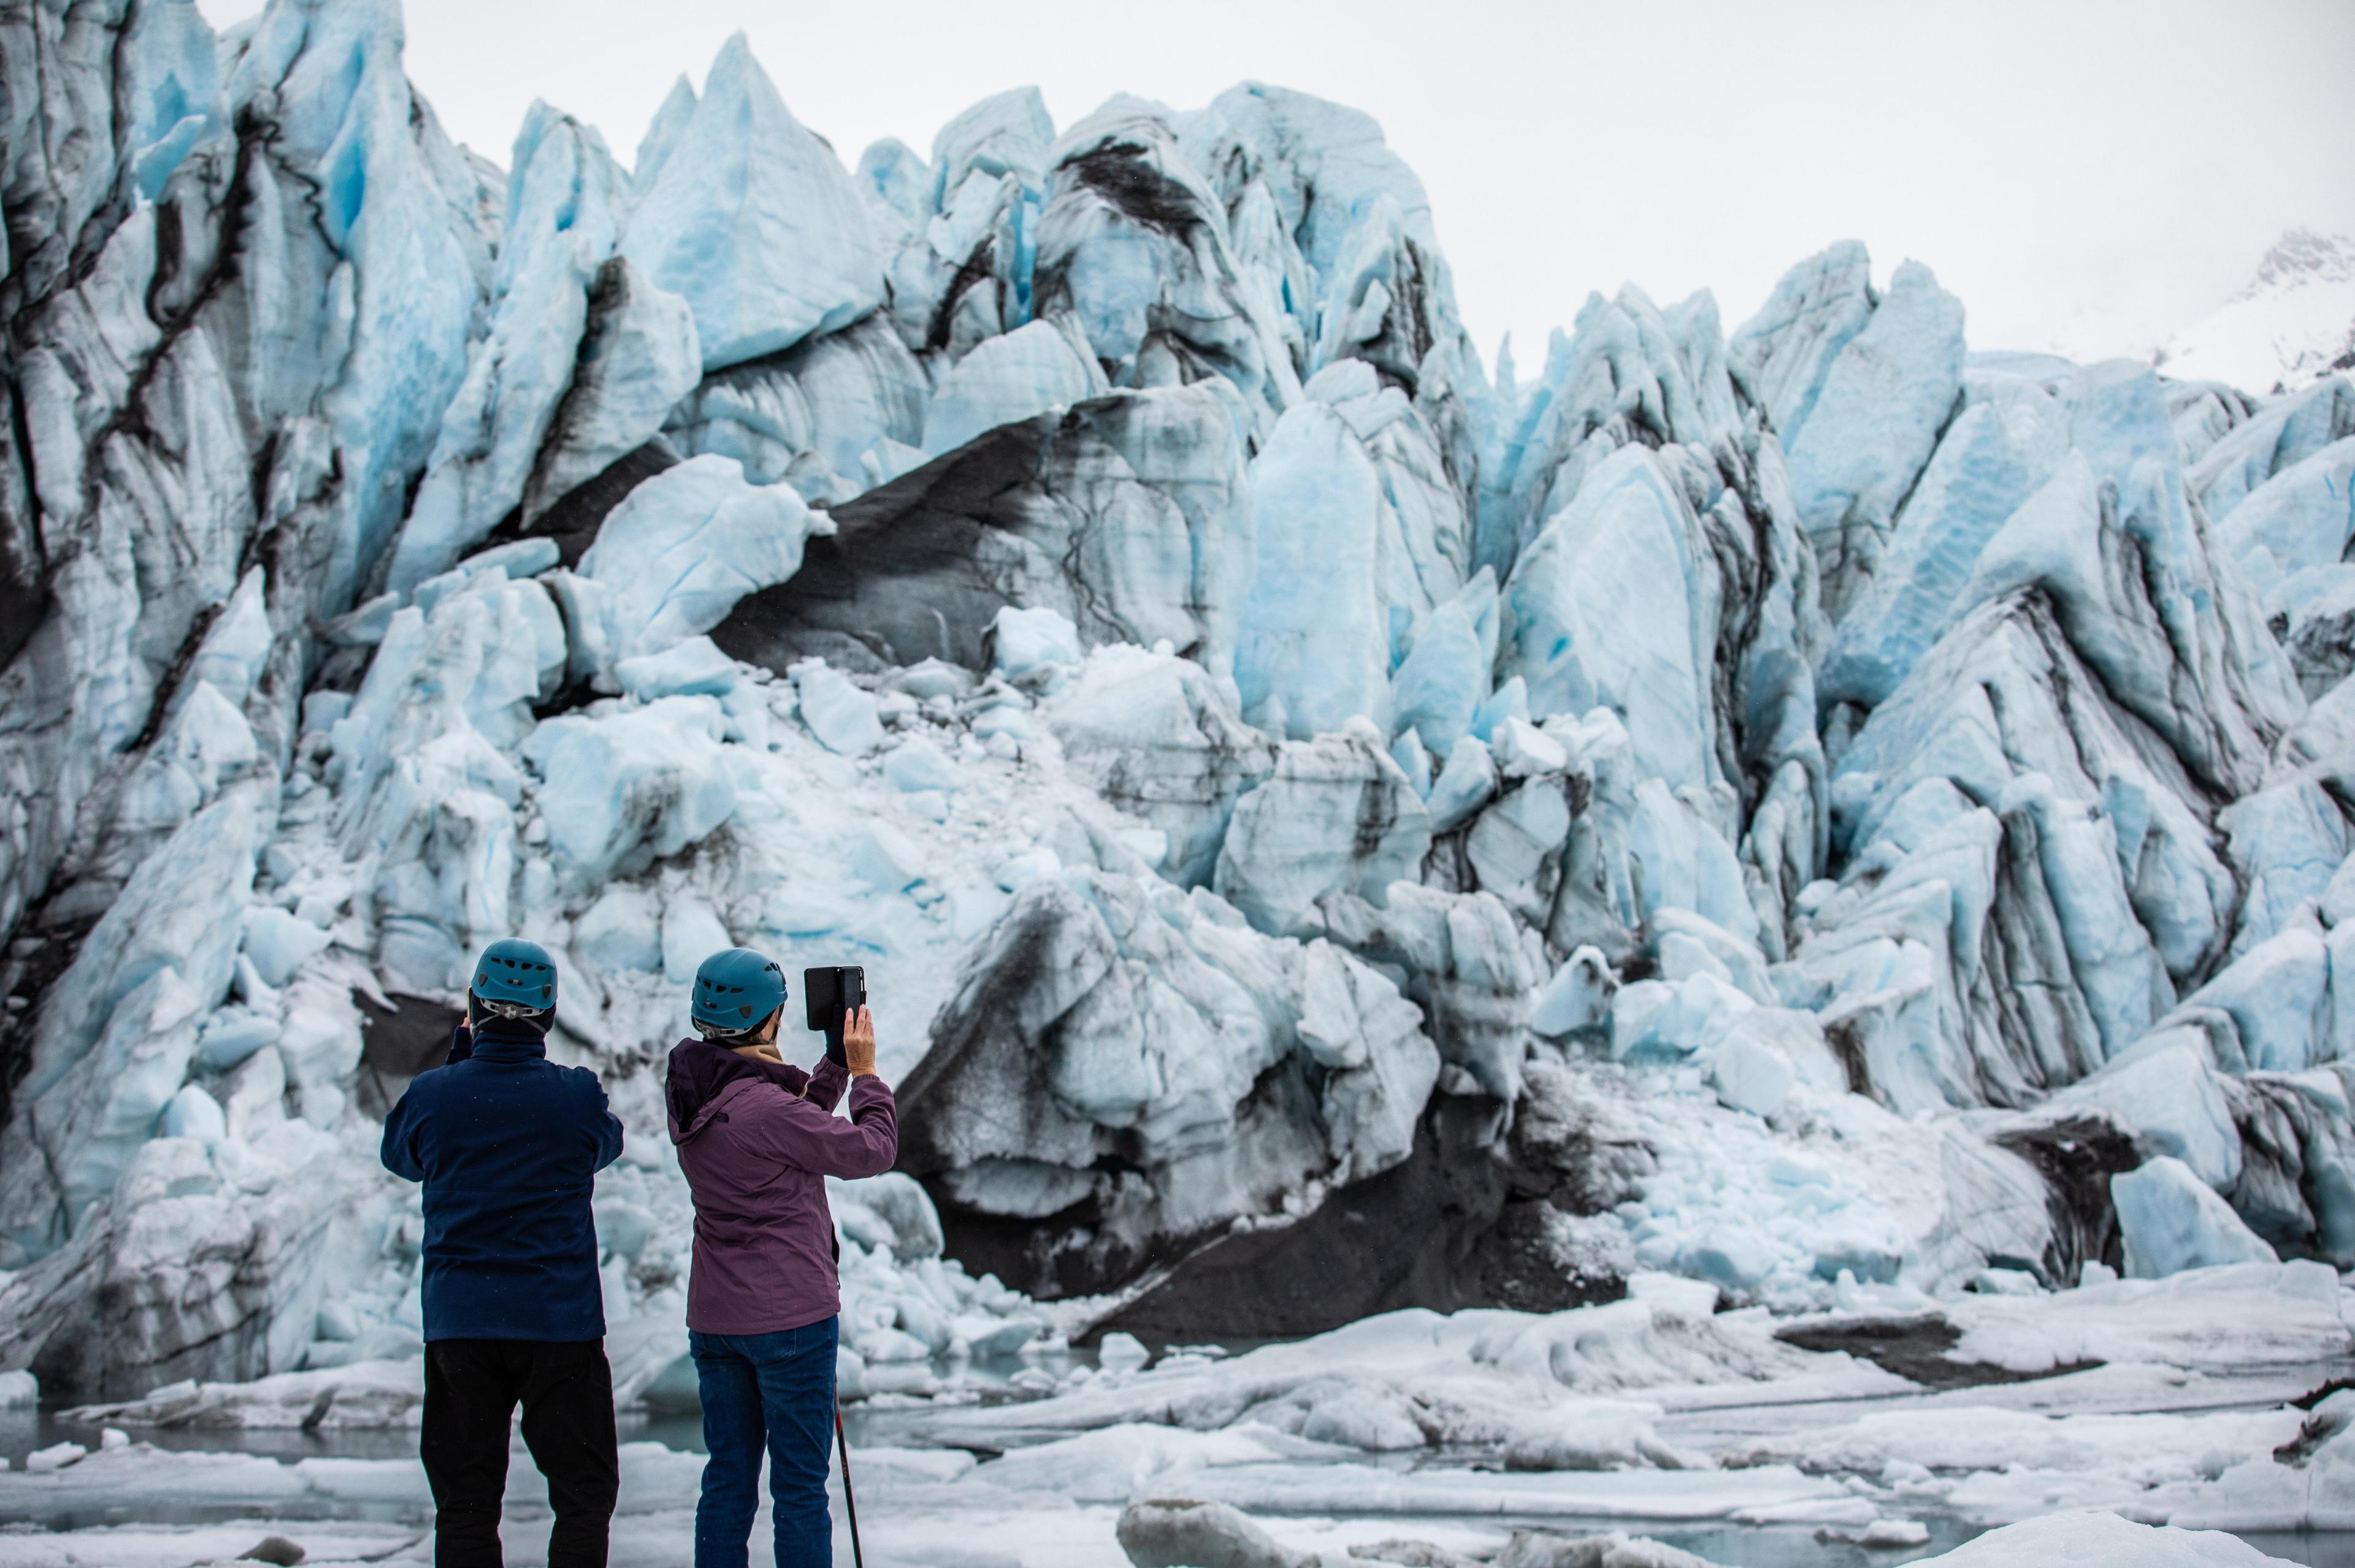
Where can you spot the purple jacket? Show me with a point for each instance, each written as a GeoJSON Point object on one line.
{"type": "Point", "coordinates": [757, 1141]}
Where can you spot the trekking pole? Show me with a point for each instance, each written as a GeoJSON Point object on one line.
{"type": "Point", "coordinates": [850, 1503]}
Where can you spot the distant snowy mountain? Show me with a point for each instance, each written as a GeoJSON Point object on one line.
{"type": "Point", "coordinates": [2294, 324]}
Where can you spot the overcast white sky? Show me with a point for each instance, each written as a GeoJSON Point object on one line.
{"type": "Point", "coordinates": [2084, 174]}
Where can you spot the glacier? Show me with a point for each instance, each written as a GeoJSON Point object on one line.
{"type": "Point", "coordinates": [1741, 848]}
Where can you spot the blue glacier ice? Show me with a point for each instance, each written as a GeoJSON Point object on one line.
{"type": "Point", "coordinates": [2008, 440]}
{"type": "Point", "coordinates": [172, 76]}
{"type": "Point", "coordinates": [969, 215]}
{"type": "Point", "coordinates": [1030, 643]}
{"type": "Point", "coordinates": [1030, 371]}
{"type": "Point", "coordinates": [682, 549]}
{"type": "Point", "coordinates": [1627, 539]}
{"type": "Point", "coordinates": [2173, 1220]}
{"type": "Point", "coordinates": [542, 409]}
{"type": "Point", "coordinates": [839, 714]}
{"type": "Point", "coordinates": [394, 252]}
{"type": "Point", "coordinates": [1308, 662]}
{"type": "Point", "coordinates": [1786, 352]}
{"type": "Point", "coordinates": [1422, 532]}
{"type": "Point", "coordinates": [118, 1040]}
{"type": "Point", "coordinates": [2172, 1098]}
{"type": "Point", "coordinates": [1163, 738]}
{"type": "Point", "coordinates": [662, 135]}
{"type": "Point", "coordinates": [1623, 370]}
{"type": "Point", "coordinates": [1464, 783]}
{"type": "Point", "coordinates": [1006, 134]}
{"type": "Point", "coordinates": [644, 783]}
{"type": "Point", "coordinates": [2299, 520]}
{"type": "Point", "coordinates": [1764, 802]}
{"type": "Point", "coordinates": [1861, 436]}
{"type": "Point", "coordinates": [1335, 816]}
{"type": "Point", "coordinates": [752, 220]}
{"type": "Point", "coordinates": [2278, 435]}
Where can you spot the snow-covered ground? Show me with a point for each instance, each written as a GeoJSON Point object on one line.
{"type": "Point", "coordinates": [2184, 1401]}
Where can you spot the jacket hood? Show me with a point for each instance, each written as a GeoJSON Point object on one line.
{"type": "Point", "coordinates": [700, 1070]}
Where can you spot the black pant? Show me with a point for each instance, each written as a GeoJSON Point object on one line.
{"type": "Point", "coordinates": [472, 1388]}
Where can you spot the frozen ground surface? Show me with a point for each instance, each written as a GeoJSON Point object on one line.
{"type": "Point", "coordinates": [1709, 1430]}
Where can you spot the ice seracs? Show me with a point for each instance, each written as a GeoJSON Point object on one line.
{"type": "Point", "coordinates": [583, 358]}
{"type": "Point", "coordinates": [1629, 533]}
{"type": "Point", "coordinates": [752, 220]}
{"type": "Point", "coordinates": [1029, 370]}
{"type": "Point", "coordinates": [1261, 1064]}
{"type": "Point", "coordinates": [1335, 816]}
{"type": "Point", "coordinates": [1870, 410]}
{"type": "Point", "coordinates": [675, 557]}
{"type": "Point", "coordinates": [2169, 1220]}
{"type": "Point", "coordinates": [1803, 820]}
{"type": "Point", "coordinates": [1162, 738]}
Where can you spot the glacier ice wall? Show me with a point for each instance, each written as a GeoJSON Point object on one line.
{"type": "Point", "coordinates": [1783, 805]}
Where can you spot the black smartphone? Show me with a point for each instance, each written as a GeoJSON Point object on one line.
{"type": "Point", "coordinates": [827, 994]}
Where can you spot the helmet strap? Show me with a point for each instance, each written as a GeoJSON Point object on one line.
{"type": "Point", "coordinates": [757, 1032]}
{"type": "Point", "coordinates": [507, 1009]}
{"type": "Point", "coordinates": [481, 1010]}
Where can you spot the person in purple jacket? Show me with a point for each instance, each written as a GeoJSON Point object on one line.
{"type": "Point", "coordinates": [757, 1139]}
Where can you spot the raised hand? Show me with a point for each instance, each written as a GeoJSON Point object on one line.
{"type": "Point", "coordinates": [858, 1041]}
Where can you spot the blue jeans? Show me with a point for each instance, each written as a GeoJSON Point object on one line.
{"type": "Point", "coordinates": [776, 1390]}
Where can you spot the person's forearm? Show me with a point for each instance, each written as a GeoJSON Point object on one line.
{"type": "Point", "coordinates": [867, 1143]}
{"type": "Point", "coordinates": [827, 1084]}
{"type": "Point", "coordinates": [394, 1151]}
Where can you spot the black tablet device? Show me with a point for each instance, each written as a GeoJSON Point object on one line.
{"type": "Point", "coordinates": [827, 994]}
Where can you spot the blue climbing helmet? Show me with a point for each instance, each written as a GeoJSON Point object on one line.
{"type": "Point", "coordinates": [515, 979]}
{"type": "Point", "coordinates": [735, 991]}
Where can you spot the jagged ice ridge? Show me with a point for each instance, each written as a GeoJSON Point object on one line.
{"type": "Point", "coordinates": [1811, 809]}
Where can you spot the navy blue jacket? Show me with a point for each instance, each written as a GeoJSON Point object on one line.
{"type": "Point", "coordinates": [509, 1146]}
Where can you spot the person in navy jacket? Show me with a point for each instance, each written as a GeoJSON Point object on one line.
{"type": "Point", "coordinates": [509, 1146]}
